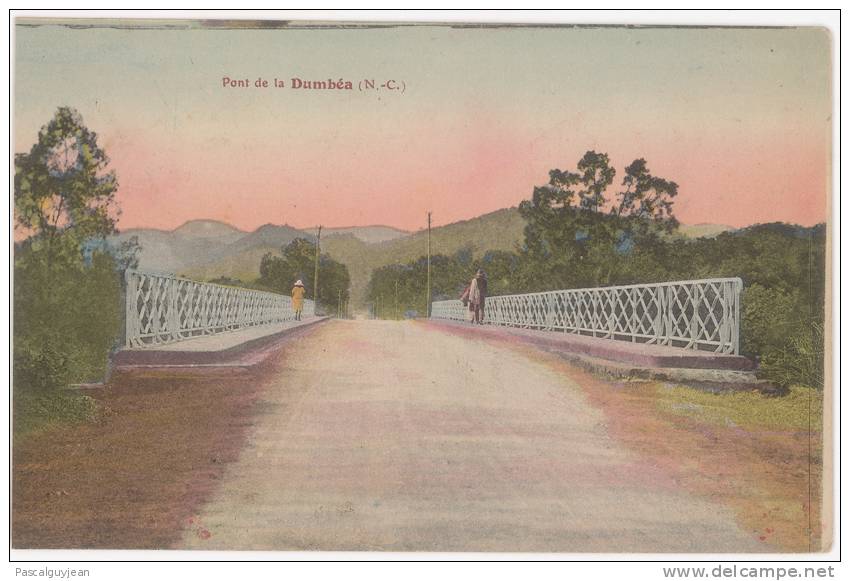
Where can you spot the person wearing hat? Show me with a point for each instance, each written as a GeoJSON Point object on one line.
{"type": "Point", "coordinates": [478, 296]}
{"type": "Point", "coordinates": [298, 299]}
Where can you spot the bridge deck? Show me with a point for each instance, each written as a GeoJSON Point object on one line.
{"type": "Point", "coordinates": [223, 348]}
{"type": "Point", "coordinates": [642, 354]}
{"type": "Point", "coordinates": [397, 436]}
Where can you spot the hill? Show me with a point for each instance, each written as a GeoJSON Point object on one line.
{"type": "Point", "coordinates": [207, 249]}
{"type": "Point", "coordinates": [499, 230]}
{"type": "Point", "coordinates": [208, 229]}
{"type": "Point", "coordinates": [703, 230]}
{"type": "Point", "coordinates": [171, 251]}
{"type": "Point", "coordinates": [267, 236]}
{"type": "Point", "coordinates": [367, 234]}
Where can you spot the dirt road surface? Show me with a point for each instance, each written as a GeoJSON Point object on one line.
{"type": "Point", "coordinates": [395, 436]}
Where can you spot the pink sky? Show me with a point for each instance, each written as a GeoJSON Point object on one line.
{"type": "Point", "coordinates": [477, 168]}
{"type": "Point", "coordinates": [738, 118]}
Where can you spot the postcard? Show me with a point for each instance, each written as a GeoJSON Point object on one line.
{"type": "Point", "coordinates": [465, 287]}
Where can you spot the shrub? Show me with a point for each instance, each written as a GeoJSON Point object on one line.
{"type": "Point", "coordinates": [781, 332]}
{"type": "Point", "coordinates": [799, 362]}
{"type": "Point", "coordinates": [67, 317]}
{"type": "Point", "coordinates": [769, 317]}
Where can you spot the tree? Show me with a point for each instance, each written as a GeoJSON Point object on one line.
{"type": "Point", "coordinates": [64, 192]}
{"type": "Point", "coordinates": [596, 175]}
{"type": "Point", "coordinates": [297, 261]}
{"type": "Point", "coordinates": [67, 288]}
{"type": "Point", "coordinates": [646, 197]}
{"type": "Point", "coordinates": [576, 236]}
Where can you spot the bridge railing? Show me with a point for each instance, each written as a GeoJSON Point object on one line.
{"type": "Point", "coordinates": [693, 314]}
{"type": "Point", "coordinates": [162, 308]}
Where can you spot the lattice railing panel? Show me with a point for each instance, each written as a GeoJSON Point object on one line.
{"type": "Point", "coordinates": [694, 314]}
{"type": "Point", "coordinates": [161, 308]}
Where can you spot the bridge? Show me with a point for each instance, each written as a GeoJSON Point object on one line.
{"type": "Point", "coordinates": [441, 435]}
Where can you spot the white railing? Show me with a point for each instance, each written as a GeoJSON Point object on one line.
{"type": "Point", "coordinates": [693, 314]}
{"type": "Point", "coordinates": [162, 308]}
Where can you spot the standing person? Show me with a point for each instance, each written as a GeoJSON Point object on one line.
{"type": "Point", "coordinates": [298, 299]}
{"type": "Point", "coordinates": [478, 296]}
{"type": "Point", "coordinates": [464, 298]}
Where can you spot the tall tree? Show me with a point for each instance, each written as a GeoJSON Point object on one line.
{"type": "Point", "coordinates": [647, 197]}
{"type": "Point", "coordinates": [596, 174]}
{"type": "Point", "coordinates": [67, 289]}
{"type": "Point", "coordinates": [64, 191]}
{"type": "Point", "coordinates": [576, 236]}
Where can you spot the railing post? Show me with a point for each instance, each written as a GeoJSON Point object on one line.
{"type": "Point", "coordinates": [173, 321]}
{"type": "Point", "coordinates": [658, 323]}
{"type": "Point", "coordinates": [130, 313]}
{"type": "Point", "coordinates": [738, 286]}
{"type": "Point", "coordinates": [695, 315]}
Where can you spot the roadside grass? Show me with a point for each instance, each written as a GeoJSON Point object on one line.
{"type": "Point", "coordinates": [36, 412]}
{"type": "Point", "coordinates": [800, 409]}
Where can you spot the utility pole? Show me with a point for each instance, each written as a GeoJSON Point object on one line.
{"type": "Point", "coordinates": [339, 304]}
{"type": "Point", "coordinates": [396, 299]}
{"type": "Point", "coordinates": [316, 270]}
{"type": "Point", "coordinates": [428, 284]}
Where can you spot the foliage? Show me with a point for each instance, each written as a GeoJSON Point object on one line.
{"type": "Point", "coordinates": [64, 193]}
{"type": "Point", "coordinates": [39, 410]}
{"type": "Point", "coordinates": [67, 318]}
{"type": "Point", "coordinates": [297, 261]}
{"type": "Point", "coordinates": [67, 279]}
{"type": "Point", "coordinates": [647, 198]}
{"type": "Point", "coordinates": [397, 290]}
{"type": "Point", "coordinates": [577, 237]}
{"type": "Point", "coordinates": [800, 361]}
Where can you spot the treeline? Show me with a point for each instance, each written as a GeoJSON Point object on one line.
{"type": "Point", "coordinates": [297, 261]}
{"type": "Point", "coordinates": [577, 235]}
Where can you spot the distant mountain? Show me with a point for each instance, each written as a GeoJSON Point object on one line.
{"type": "Point", "coordinates": [703, 230]}
{"type": "Point", "coordinates": [368, 234]}
{"type": "Point", "coordinates": [499, 230]}
{"type": "Point", "coordinates": [209, 229]}
{"type": "Point", "coordinates": [268, 235]}
{"type": "Point", "coordinates": [207, 249]}
{"type": "Point", "coordinates": [171, 251]}
{"type": "Point", "coordinates": [241, 259]}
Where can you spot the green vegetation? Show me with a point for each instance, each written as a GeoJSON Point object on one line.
{"type": "Point", "coordinates": [576, 236]}
{"type": "Point", "coordinates": [297, 261]}
{"type": "Point", "coordinates": [67, 288]}
{"type": "Point", "coordinates": [67, 319]}
{"type": "Point", "coordinates": [800, 409]}
{"type": "Point", "coordinates": [396, 291]}
{"type": "Point", "coordinates": [35, 412]}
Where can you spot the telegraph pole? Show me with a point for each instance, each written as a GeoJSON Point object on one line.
{"type": "Point", "coordinates": [396, 299]}
{"type": "Point", "coordinates": [339, 304]}
{"type": "Point", "coordinates": [428, 284]}
{"type": "Point", "coordinates": [316, 270]}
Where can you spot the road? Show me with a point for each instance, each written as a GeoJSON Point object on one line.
{"type": "Point", "coordinates": [396, 436]}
